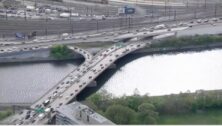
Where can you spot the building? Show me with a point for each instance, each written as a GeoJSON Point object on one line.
{"type": "Point", "coordinates": [77, 113]}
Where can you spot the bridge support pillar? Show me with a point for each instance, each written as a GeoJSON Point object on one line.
{"type": "Point", "coordinates": [112, 66]}
{"type": "Point", "coordinates": [92, 84]}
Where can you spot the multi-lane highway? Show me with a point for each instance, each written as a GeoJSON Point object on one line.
{"type": "Point", "coordinates": [79, 78]}
{"type": "Point", "coordinates": [75, 82]}
{"type": "Point", "coordinates": [48, 27]}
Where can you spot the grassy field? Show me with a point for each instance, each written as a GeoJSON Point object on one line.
{"type": "Point", "coordinates": [4, 114]}
{"type": "Point", "coordinates": [207, 117]}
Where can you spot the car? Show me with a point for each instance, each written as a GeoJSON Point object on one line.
{"type": "Point", "coordinates": [46, 102]}
{"type": "Point", "coordinates": [161, 26]}
{"type": "Point", "coordinates": [199, 21]}
{"type": "Point", "coordinates": [67, 97]}
{"type": "Point", "coordinates": [20, 112]}
{"type": "Point", "coordinates": [41, 116]}
{"type": "Point", "coordinates": [33, 121]}
{"type": "Point", "coordinates": [214, 19]}
{"type": "Point", "coordinates": [27, 116]}
{"type": "Point", "coordinates": [206, 20]}
{"type": "Point", "coordinates": [60, 96]}
{"type": "Point", "coordinates": [47, 110]}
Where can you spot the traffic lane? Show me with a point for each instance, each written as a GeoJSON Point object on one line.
{"type": "Point", "coordinates": [89, 76]}
{"type": "Point", "coordinates": [202, 29]}
{"type": "Point", "coordinates": [67, 78]}
{"type": "Point", "coordinates": [61, 103]}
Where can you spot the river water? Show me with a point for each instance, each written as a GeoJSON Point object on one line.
{"type": "Point", "coordinates": [166, 74]}
{"type": "Point", "coordinates": [155, 75]}
{"type": "Point", "coordinates": [25, 83]}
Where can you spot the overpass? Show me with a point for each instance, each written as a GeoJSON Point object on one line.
{"type": "Point", "coordinates": [76, 81]}
{"type": "Point", "coordinates": [71, 85]}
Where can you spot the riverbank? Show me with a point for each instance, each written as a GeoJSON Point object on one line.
{"type": "Point", "coordinates": [183, 108]}
{"type": "Point", "coordinates": [107, 74]}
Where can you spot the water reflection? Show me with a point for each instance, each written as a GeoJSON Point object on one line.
{"type": "Point", "coordinates": [166, 74]}
{"type": "Point", "coordinates": [27, 82]}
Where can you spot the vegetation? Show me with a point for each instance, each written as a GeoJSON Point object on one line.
{"type": "Point", "coordinates": [5, 113]}
{"type": "Point", "coordinates": [137, 109]}
{"type": "Point", "coordinates": [187, 41]}
{"type": "Point", "coordinates": [60, 52]}
{"type": "Point", "coordinates": [206, 117]}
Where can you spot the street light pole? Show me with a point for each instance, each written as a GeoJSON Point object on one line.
{"type": "Point", "coordinates": [187, 3]}
{"type": "Point", "coordinates": [165, 8]}
{"type": "Point", "coordinates": [215, 10]}
{"type": "Point", "coordinates": [152, 8]}
{"type": "Point", "coordinates": [97, 25]}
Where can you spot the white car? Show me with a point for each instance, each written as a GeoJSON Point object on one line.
{"type": "Point", "coordinates": [199, 21]}
{"type": "Point", "coordinates": [161, 26]}
{"type": "Point", "coordinates": [41, 116]}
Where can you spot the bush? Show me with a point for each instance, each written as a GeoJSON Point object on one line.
{"type": "Point", "coordinates": [60, 52]}
{"type": "Point", "coordinates": [4, 114]}
{"type": "Point", "coordinates": [120, 114]}
{"type": "Point", "coordinates": [187, 40]}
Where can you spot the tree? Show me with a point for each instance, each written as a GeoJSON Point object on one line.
{"type": "Point", "coordinates": [120, 114]}
{"type": "Point", "coordinates": [133, 101]}
{"type": "Point", "coordinates": [60, 52]}
{"type": "Point", "coordinates": [147, 114]}
{"type": "Point", "coordinates": [101, 100]}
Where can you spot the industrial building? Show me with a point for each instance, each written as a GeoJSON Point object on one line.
{"type": "Point", "coordinates": [77, 113]}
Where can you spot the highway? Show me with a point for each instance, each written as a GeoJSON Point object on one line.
{"type": "Point", "coordinates": [77, 80]}
{"type": "Point", "coordinates": [73, 84]}
{"type": "Point", "coordinates": [81, 77]}
{"type": "Point", "coordinates": [116, 36]}
{"type": "Point", "coordinates": [9, 27]}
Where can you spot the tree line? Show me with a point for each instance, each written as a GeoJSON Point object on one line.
{"type": "Point", "coordinates": [144, 109]}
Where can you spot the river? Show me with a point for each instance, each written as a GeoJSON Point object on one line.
{"type": "Point", "coordinates": [155, 75]}
{"type": "Point", "coordinates": [25, 83]}
{"type": "Point", "coordinates": [167, 74]}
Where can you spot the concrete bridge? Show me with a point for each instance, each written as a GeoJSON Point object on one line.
{"type": "Point", "coordinates": [71, 85]}
{"type": "Point", "coordinates": [76, 81]}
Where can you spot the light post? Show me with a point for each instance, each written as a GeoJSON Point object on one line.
{"type": "Point", "coordinates": [129, 24]}
{"type": "Point", "coordinates": [152, 9]}
{"type": "Point", "coordinates": [187, 3]}
{"type": "Point", "coordinates": [165, 7]}
{"type": "Point", "coordinates": [97, 25]}
{"type": "Point", "coordinates": [215, 10]}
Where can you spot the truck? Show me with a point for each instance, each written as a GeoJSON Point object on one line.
{"type": "Point", "coordinates": [20, 35]}
{"type": "Point", "coordinates": [99, 17]}
{"type": "Point", "coordinates": [64, 15]}
{"type": "Point", "coordinates": [126, 10]}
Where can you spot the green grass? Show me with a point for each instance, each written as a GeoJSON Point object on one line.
{"type": "Point", "coordinates": [4, 114]}
{"type": "Point", "coordinates": [207, 117]}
